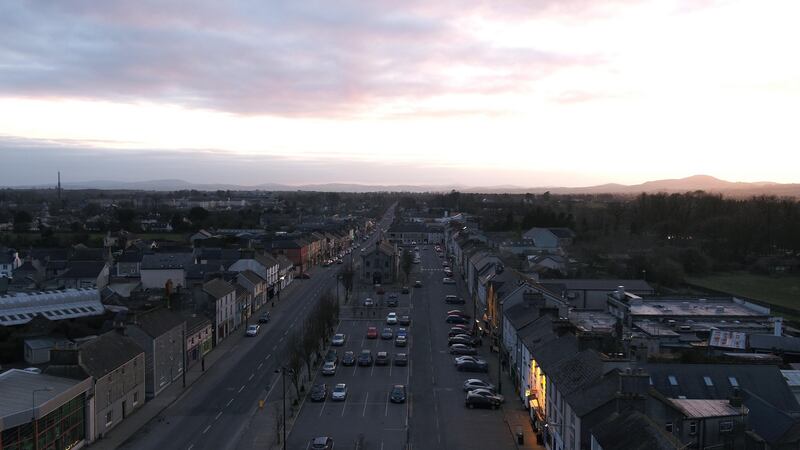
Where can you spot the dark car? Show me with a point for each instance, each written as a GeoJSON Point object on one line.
{"type": "Point", "coordinates": [404, 320]}
{"type": "Point", "coordinates": [391, 302]}
{"type": "Point", "coordinates": [456, 319]}
{"type": "Point", "coordinates": [472, 366]}
{"type": "Point", "coordinates": [418, 284]}
{"type": "Point", "coordinates": [479, 401]}
{"type": "Point", "coordinates": [463, 339]}
{"type": "Point", "coordinates": [332, 356]}
{"type": "Point", "coordinates": [462, 349]}
{"type": "Point", "coordinates": [348, 359]}
{"type": "Point", "coordinates": [304, 276]}
{"type": "Point", "coordinates": [264, 318]}
{"type": "Point", "coordinates": [319, 392]}
{"type": "Point", "coordinates": [398, 394]}
{"type": "Point", "coordinates": [405, 290]}
{"type": "Point", "coordinates": [321, 443]}
{"type": "Point", "coordinates": [401, 341]}
{"type": "Point", "coordinates": [453, 300]}
{"type": "Point", "coordinates": [457, 331]}
{"type": "Point", "coordinates": [382, 359]}
{"type": "Point", "coordinates": [458, 312]}
{"type": "Point", "coordinates": [474, 383]}
{"type": "Point", "coordinates": [387, 333]}
{"type": "Point", "coordinates": [365, 358]}
{"type": "Point", "coordinates": [401, 359]}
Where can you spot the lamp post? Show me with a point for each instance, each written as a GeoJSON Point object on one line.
{"type": "Point", "coordinates": [283, 371]}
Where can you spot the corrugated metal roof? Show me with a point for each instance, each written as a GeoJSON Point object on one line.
{"type": "Point", "coordinates": [707, 408]}
{"type": "Point", "coordinates": [21, 308]}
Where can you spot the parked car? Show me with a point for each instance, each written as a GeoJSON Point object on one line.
{"type": "Point", "coordinates": [404, 320]}
{"type": "Point", "coordinates": [391, 318]}
{"type": "Point", "coordinates": [392, 302]}
{"type": "Point", "coordinates": [448, 280]}
{"type": "Point", "coordinates": [475, 383]}
{"type": "Point", "coordinates": [448, 273]}
{"type": "Point", "coordinates": [252, 330]}
{"type": "Point", "coordinates": [321, 443]}
{"type": "Point", "coordinates": [402, 332]}
{"type": "Point", "coordinates": [338, 339]}
{"type": "Point", "coordinates": [418, 284]}
{"type": "Point", "coordinates": [398, 394]}
{"type": "Point", "coordinates": [349, 358]}
{"type": "Point", "coordinates": [387, 333]}
{"type": "Point", "coordinates": [365, 358]}
{"type": "Point", "coordinates": [473, 366]}
{"type": "Point", "coordinates": [372, 333]}
{"type": "Point", "coordinates": [456, 319]}
{"type": "Point", "coordinates": [458, 312]}
{"type": "Point", "coordinates": [382, 358]}
{"type": "Point", "coordinates": [405, 290]}
{"type": "Point", "coordinates": [454, 300]}
{"type": "Point", "coordinates": [304, 276]}
{"type": "Point", "coordinates": [319, 392]}
{"type": "Point", "coordinates": [401, 359]}
{"type": "Point", "coordinates": [459, 359]}
{"type": "Point", "coordinates": [462, 349]}
{"type": "Point", "coordinates": [478, 401]}
{"type": "Point", "coordinates": [369, 302]}
{"type": "Point", "coordinates": [329, 368]}
{"type": "Point", "coordinates": [264, 318]}
{"type": "Point", "coordinates": [463, 339]}
{"type": "Point", "coordinates": [457, 331]}
{"type": "Point", "coordinates": [401, 341]}
{"type": "Point", "coordinates": [488, 394]}
{"type": "Point", "coordinates": [339, 392]}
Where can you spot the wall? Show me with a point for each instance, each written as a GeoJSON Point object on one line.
{"type": "Point", "coordinates": [158, 278]}
{"type": "Point", "coordinates": [127, 386]}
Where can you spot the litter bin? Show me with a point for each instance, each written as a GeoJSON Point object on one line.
{"type": "Point", "coordinates": [520, 436]}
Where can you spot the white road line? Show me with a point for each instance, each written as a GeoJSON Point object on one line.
{"type": "Point", "coordinates": [242, 388]}
{"type": "Point", "coordinates": [344, 406]}
{"type": "Point", "coordinates": [206, 430]}
{"type": "Point", "coordinates": [323, 408]}
{"type": "Point", "coordinates": [269, 356]}
{"type": "Point", "coordinates": [281, 339]}
{"type": "Point", "coordinates": [190, 447]}
{"type": "Point", "coordinates": [381, 445]}
{"type": "Point", "coordinates": [229, 403]}
{"type": "Point", "coordinates": [217, 416]}
{"type": "Point", "coordinates": [372, 370]}
{"type": "Point", "coordinates": [386, 411]}
{"type": "Point", "coordinates": [259, 366]}
{"type": "Point", "coordinates": [250, 378]}
{"type": "Point", "coordinates": [364, 412]}
{"type": "Point", "coordinates": [274, 347]}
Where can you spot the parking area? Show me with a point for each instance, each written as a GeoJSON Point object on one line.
{"type": "Point", "coordinates": [366, 419]}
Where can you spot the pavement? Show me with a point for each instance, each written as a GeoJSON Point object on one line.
{"type": "Point", "coordinates": [151, 410]}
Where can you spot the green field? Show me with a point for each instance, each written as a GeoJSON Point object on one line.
{"type": "Point", "coordinates": [782, 291]}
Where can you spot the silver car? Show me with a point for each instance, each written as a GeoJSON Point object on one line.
{"type": "Point", "coordinates": [339, 392]}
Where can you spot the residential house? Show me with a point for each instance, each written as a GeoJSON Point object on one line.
{"type": "Point", "coordinates": [380, 264]}
{"type": "Point", "coordinates": [199, 338]}
{"type": "Point", "coordinates": [262, 264]}
{"type": "Point", "coordinates": [222, 296]}
{"type": "Point", "coordinates": [631, 430]}
{"type": "Point", "coordinates": [160, 334]}
{"type": "Point", "coordinates": [30, 275]}
{"type": "Point", "coordinates": [296, 250]}
{"type": "Point", "coordinates": [285, 272]}
{"type": "Point", "coordinates": [159, 269]}
{"type": "Point", "coordinates": [550, 238]}
{"type": "Point", "coordinates": [84, 274]}
{"type": "Point", "coordinates": [129, 264]}
{"type": "Point", "coordinates": [408, 233]}
{"type": "Point", "coordinates": [37, 350]}
{"type": "Point", "coordinates": [701, 422]}
{"type": "Point", "coordinates": [243, 305]}
{"type": "Point", "coordinates": [9, 260]}
{"type": "Point", "coordinates": [255, 285]}
{"type": "Point", "coordinates": [548, 265]}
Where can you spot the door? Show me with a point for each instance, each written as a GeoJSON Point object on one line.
{"type": "Point", "coordinates": [124, 409]}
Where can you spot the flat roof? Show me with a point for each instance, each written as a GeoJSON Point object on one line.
{"type": "Point", "coordinates": [21, 308]}
{"type": "Point", "coordinates": [17, 391]}
{"type": "Point", "coordinates": [592, 320]}
{"type": "Point", "coordinates": [693, 307]}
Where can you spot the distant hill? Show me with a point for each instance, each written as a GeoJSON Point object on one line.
{"type": "Point", "coordinates": [694, 183]}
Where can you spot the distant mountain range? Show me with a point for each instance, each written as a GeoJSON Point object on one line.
{"type": "Point", "coordinates": [693, 183]}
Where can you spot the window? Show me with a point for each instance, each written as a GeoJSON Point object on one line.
{"type": "Point", "coordinates": [672, 380]}
{"type": "Point", "coordinates": [734, 382]}
{"type": "Point", "coordinates": [109, 417]}
{"type": "Point", "coordinates": [135, 398]}
{"type": "Point", "coordinates": [692, 428]}
{"type": "Point", "coordinates": [726, 426]}
{"type": "Point", "coordinates": [668, 427]}
{"type": "Point", "coordinates": [708, 381]}
{"type": "Point", "coordinates": [108, 396]}
{"type": "Point", "coordinates": [367, 263]}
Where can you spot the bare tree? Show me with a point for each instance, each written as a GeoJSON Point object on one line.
{"type": "Point", "coordinates": [295, 347]}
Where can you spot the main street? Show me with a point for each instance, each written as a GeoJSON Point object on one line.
{"type": "Point", "coordinates": [214, 411]}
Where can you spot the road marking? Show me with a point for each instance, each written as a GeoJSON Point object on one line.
{"type": "Point", "coordinates": [229, 403]}
{"type": "Point", "coordinates": [269, 356]}
{"type": "Point", "coordinates": [274, 347]}
{"type": "Point", "coordinates": [372, 370]}
{"type": "Point", "coordinates": [206, 430]}
{"type": "Point", "coordinates": [386, 411]}
{"type": "Point", "coordinates": [190, 447]}
{"type": "Point", "coordinates": [286, 332]}
{"type": "Point", "coordinates": [241, 388]}
{"type": "Point", "coordinates": [259, 366]}
{"type": "Point", "coordinates": [252, 375]}
{"type": "Point", "coordinates": [364, 412]}
{"type": "Point", "coordinates": [281, 339]}
{"type": "Point", "coordinates": [217, 416]}
{"type": "Point", "coordinates": [323, 408]}
{"type": "Point", "coordinates": [344, 406]}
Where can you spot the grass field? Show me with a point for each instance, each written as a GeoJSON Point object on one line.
{"type": "Point", "coordinates": [783, 291]}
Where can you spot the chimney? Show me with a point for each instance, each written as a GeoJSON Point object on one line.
{"type": "Point", "coordinates": [736, 399]}
{"type": "Point", "coordinates": [620, 293]}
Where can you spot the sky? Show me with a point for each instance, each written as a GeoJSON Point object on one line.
{"type": "Point", "coordinates": [473, 93]}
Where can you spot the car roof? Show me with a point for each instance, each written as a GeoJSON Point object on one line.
{"type": "Point", "coordinates": [341, 385]}
{"type": "Point", "coordinates": [321, 440]}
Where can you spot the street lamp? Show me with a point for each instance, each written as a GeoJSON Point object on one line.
{"type": "Point", "coordinates": [283, 371]}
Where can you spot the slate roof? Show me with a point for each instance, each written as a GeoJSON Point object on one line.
{"type": "Point", "coordinates": [773, 425]}
{"type": "Point", "coordinates": [632, 430]}
{"type": "Point", "coordinates": [83, 269]}
{"type": "Point", "coordinates": [130, 257]}
{"type": "Point", "coordinates": [549, 354]}
{"type": "Point", "coordinates": [408, 227]}
{"type": "Point", "coordinates": [89, 254]}
{"type": "Point", "coordinates": [166, 261]}
{"type": "Point", "coordinates": [521, 315]}
{"type": "Point", "coordinates": [218, 288]}
{"type": "Point", "coordinates": [199, 271]}
{"type": "Point", "coordinates": [266, 260]}
{"type": "Point", "coordinates": [765, 381]}
{"type": "Point", "coordinates": [284, 262]}
{"type": "Point", "coordinates": [251, 276]}
{"type": "Point", "coordinates": [158, 322]}
{"type": "Point", "coordinates": [107, 352]}
{"type": "Point", "coordinates": [600, 285]}
{"type": "Point", "coordinates": [781, 344]}
{"type": "Point", "coordinates": [574, 373]}
{"type": "Point", "coordinates": [49, 254]}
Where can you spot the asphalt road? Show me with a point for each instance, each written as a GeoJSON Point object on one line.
{"type": "Point", "coordinates": [213, 413]}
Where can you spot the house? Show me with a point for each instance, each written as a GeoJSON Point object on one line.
{"type": "Point", "coordinates": [84, 274]}
{"type": "Point", "coordinates": [9, 260]}
{"type": "Point", "coordinates": [37, 350]}
{"type": "Point", "coordinates": [199, 338]}
{"type": "Point", "coordinates": [262, 264]}
{"type": "Point", "coordinates": [255, 285]}
{"type": "Point", "coordinates": [296, 250]}
{"type": "Point", "coordinates": [380, 264]}
{"type": "Point", "coordinates": [408, 233]}
{"type": "Point", "coordinates": [243, 305]}
{"type": "Point", "coordinates": [129, 264]}
{"type": "Point", "coordinates": [36, 404]}
{"type": "Point", "coordinates": [550, 238]}
{"type": "Point", "coordinates": [285, 272]}
{"type": "Point", "coordinates": [116, 365]}
{"type": "Point", "coordinates": [547, 264]}
{"type": "Point", "coordinates": [160, 334]}
{"type": "Point", "coordinates": [700, 422]}
{"type": "Point", "coordinates": [222, 301]}
{"type": "Point", "coordinates": [29, 275]}
{"type": "Point", "coordinates": [631, 430]}
{"type": "Point", "coordinates": [158, 269]}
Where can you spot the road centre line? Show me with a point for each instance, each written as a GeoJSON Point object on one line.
{"type": "Point", "coordinates": [217, 416]}
{"type": "Point", "coordinates": [259, 366]}
{"type": "Point", "coordinates": [252, 375]}
{"type": "Point", "coordinates": [364, 412]}
{"type": "Point", "coordinates": [242, 388]}
{"type": "Point", "coordinates": [206, 430]}
{"type": "Point", "coordinates": [229, 403]}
